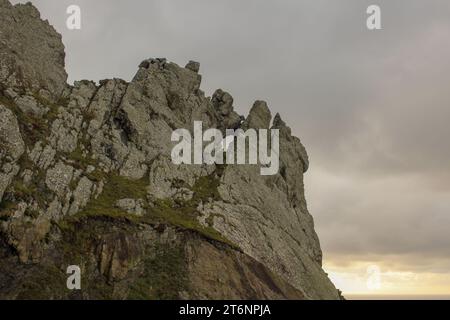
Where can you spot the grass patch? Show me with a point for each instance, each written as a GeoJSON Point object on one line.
{"type": "Point", "coordinates": [36, 190]}
{"type": "Point", "coordinates": [116, 187]}
{"type": "Point", "coordinates": [206, 188]}
{"type": "Point", "coordinates": [33, 128]}
{"type": "Point", "coordinates": [183, 215]}
{"type": "Point", "coordinates": [22, 191]}
{"type": "Point", "coordinates": [6, 101]}
{"type": "Point", "coordinates": [45, 283]}
{"type": "Point", "coordinates": [53, 112]}
{"type": "Point", "coordinates": [164, 276]}
{"type": "Point", "coordinates": [81, 161]}
{"type": "Point", "coordinates": [7, 209]}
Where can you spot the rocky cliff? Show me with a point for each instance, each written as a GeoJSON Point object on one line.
{"type": "Point", "coordinates": [86, 179]}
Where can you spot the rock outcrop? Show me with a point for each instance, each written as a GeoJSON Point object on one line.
{"type": "Point", "coordinates": [31, 51]}
{"type": "Point", "coordinates": [86, 179]}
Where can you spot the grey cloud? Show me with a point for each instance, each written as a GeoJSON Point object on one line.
{"type": "Point", "coordinates": [394, 215]}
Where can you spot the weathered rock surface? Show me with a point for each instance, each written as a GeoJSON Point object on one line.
{"type": "Point", "coordinates": [86, 178]}
{"type": "Point", "coordinates": [126, 261]}
{"type": "Point", "coordinates": [31, 51]}
{"type": "Point", "coordinates": [11, 148]}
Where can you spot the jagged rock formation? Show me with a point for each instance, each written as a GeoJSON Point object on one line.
{"type": "Point", "coordinates": [86, 179]}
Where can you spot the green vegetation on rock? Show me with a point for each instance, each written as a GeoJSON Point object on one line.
{"type": "Point", "coordinates": [33, 128]}
{"type": "Point", "coordinates": [116, 187]}
{"type": "Point", "coordinates": [164, 275]}
{"type": "Point", "coordinates": [183, 215]}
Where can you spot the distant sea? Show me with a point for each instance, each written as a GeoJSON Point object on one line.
{"type": "Point", "coordinates": [395, 297]}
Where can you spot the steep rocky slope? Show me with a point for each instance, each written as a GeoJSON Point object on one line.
{"type": "Point", "coordinates": [86, 179]}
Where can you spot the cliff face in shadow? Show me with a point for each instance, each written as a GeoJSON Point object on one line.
{"type": "Point", "coordinates": [86, 178]}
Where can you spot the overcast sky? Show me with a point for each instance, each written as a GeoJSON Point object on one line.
{"type": "Point", "coordinates": [371, 107]}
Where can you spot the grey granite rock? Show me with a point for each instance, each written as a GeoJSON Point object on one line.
{"type": "Point", "coordinates": [39, 65]}
{"type": "Point", "coordinates": [58, 178]}
{"type": "Point", "coordinates": [193, 66]}
{"type": "Point", "coordinates": [132, 206]}
{"type": "Point", "coordinates": [11, 148]}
